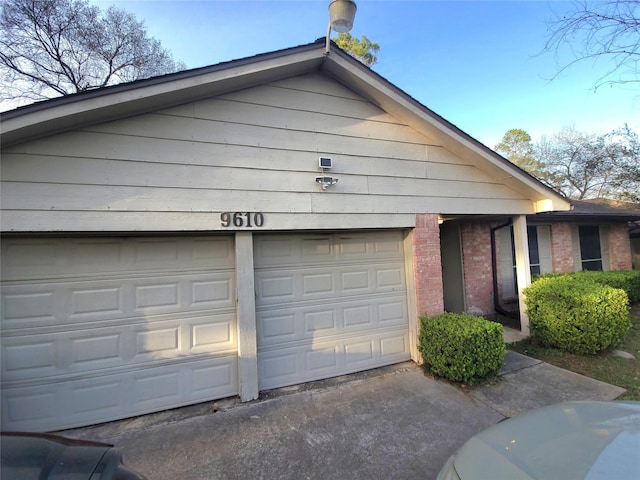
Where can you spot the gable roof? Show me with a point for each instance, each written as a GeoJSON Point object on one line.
{"type": "Point", "coordinates": [125, 100]}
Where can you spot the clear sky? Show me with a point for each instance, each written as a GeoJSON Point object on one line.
{"type": "Point", "coordinates": [479, 64]}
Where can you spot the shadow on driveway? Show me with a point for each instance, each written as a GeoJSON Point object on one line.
{"type": "Point", "coordinates": [389, 423]}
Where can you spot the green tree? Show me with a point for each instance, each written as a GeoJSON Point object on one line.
{"type": "Point", "coordinates": [517, 147]}
{"type": "Point", "coordinates": [606, 30]}
{"type": "Point", "coordinates": [58, 47]}
{"type": "Point", "coordinates": [364, 49]}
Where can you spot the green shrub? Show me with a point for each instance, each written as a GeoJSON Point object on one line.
{"type": "Point", "coordinates": [576, 314]}
{"type": "Point", "coordinates": [627, 280]}
{"type": "Point", "coordinates": [460, 346]}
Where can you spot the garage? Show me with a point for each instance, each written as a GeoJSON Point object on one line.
{"type": "Point", "coordinates": [96, 329]}
{"type": "Point", "coordinates": [230, 229]}
{"type": "Point", "coordinates": [329, 304]}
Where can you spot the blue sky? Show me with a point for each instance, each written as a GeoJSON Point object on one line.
{"type": "Point", "coordinates": [479, 64]}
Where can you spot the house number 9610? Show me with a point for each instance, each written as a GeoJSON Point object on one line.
{"type": "Point", "coordinates": [242, 219]}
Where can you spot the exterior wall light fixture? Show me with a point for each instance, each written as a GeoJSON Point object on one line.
{"type": "Point", "coordinates": [326, 181]}
{"type": "Point", "coordinates": [325, 163]}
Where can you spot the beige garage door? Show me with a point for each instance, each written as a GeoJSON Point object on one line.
{"type": "Point", "coordinates": [329, 304]}
{"type": "Point", "coordinates": [100, 329]}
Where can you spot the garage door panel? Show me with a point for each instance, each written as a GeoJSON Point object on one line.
{"type": "Point", "coordinates": [276, 286]}
{"type": "Point", "coordinates": [322, 320]}
{"type": "Point", "coordinates": [38, 358]}
{"type": "Point", "coordinates": [81, 401]}
{"type": "Point", "coordinates": [98, 300]}
{"type": "Point", "coordinates": [156, 389]}
{"type": "Point", "coordinates": [39, 305]}
{"type": "Point", "coordinates": [214, 333]}
{"type": "Point", "coordinates": [355, 280]}
{"type": "Point", "coordinates": [286, 366]}
{"type": "Point", "coordinates": [358, 352]}
{"type": "Point", "coordinates": [28, 356]}
{"type": "Point", "coordinates": [286, 251]}
{"type": "Point", "coordinates": [279, 326]}
{"type": "Point", "coordinates": [321, 362]}
{"type": "Point", "coordinates": [330, 357]}
{"type": "Point", "coordinates": [38, 407]}
{"type": "Point", "coordinates": [353, 246]}
{"type": "Point", "coordinates": [39, 258]}
{"type": "Point", "coordinates": [311, 321]}
{"type": "Point", "coordinates": [390, 278]}
{"type": "Point", "coordinates": [392, 311]}
{"type": "Point", "coordinates": [329, 304]}
{"type": "Point", "coordinates": [158, 342]}
{"type": "Point", "coordinates": [313, 249]}
{"type": "Point", "coordinates": [394, 346]}
{"type": "Point", "coordinates": [149, 322]}
{"type": "Point", "coordinates": [358, 316]}
{"type": "Point", "coordinates": [361, 246]}
{"type": "Point", "coordinates": [97, 348]}
{"type": "Point", "coordinates": [28, 308]}
{"type": "Point", "coordinates": [213, 292]}
{"type": "Point", "coordinates": [156, 297]}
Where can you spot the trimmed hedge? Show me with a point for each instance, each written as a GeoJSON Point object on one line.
{"type": "Point", "coordinates": [576, 314]}
{"type": "Point", "coordinates": [627, 280]}
{"type": "Point", "coordinates": [461, 347]}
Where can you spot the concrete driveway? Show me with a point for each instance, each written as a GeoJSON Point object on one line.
{"type": "Point", "coordinates": [390, 423]}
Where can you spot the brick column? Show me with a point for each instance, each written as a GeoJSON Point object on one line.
{"type": "Point", "coordinates": [561, 248]}
{"type": "Point", "coordinates": [427, 265]}
{"type": "Point", "coordinates": [620, 247]}
{"type": "Point", "coordinates": [478, 271]}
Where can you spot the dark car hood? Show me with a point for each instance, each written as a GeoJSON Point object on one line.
{"type": "Point", "coordinates": [27, 456]}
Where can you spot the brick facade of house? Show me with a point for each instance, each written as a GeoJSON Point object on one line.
{"type": "Point", "coordinates": [561, 247]}
{"type": "Point", "coordinates": [620, 247]}
{"type": "Point", "coordinates": [477, 267]}
{"type": "Point", "coordinates": [428, 265]}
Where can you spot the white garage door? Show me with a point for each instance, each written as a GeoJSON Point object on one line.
{"type": "Point", "coordinates": [329, 304]}
{"type": "Point", "coordinates": [100, 329]}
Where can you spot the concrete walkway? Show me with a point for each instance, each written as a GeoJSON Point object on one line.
{"type": "Point", "coordinates": [389, 423]}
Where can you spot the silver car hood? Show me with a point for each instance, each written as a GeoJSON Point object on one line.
{"type": "Point", "coordinates": [571, 440]}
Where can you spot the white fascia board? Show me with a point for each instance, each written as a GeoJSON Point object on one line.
{"type": "Point", "coordinates": [111, 103]}
{"type": "Point", "coordinates": [398, 103]}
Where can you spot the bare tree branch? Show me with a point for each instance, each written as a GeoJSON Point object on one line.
{"type": "Point", "coordinates": [580, 165]}
{"type": "Point", "coordinates": [605, 30]}
{"type": "Point", "coordinates": [58, 47]}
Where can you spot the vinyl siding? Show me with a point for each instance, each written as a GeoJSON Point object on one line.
{"type": "Point", "coordinates": [252, 150]}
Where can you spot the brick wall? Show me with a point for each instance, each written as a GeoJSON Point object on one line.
{"type": "Point", "coordinates": [478, 271]}
{"type": "Point", "coordinates": [561, 247]}
{"type": "Point", "coordinates": [620, 247]}
{"type": "Point", "coordinates": [428, 265]}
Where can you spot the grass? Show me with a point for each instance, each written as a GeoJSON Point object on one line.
{"type": "Point", "coordinates": [603, 366]}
